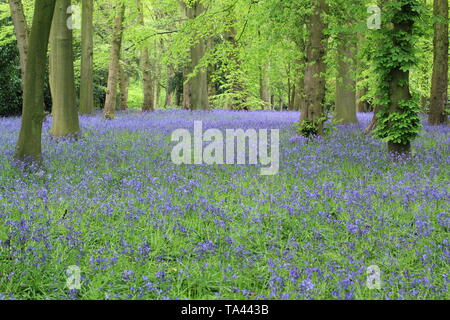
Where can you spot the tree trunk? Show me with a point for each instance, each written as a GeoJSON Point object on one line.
{"type": "Point", "coordinates": [170, 89]}
{"type": "Point", "coordinates": [123, 84]}
{"type": "Point", "coordinates": [373, 123]}
{"type": "Point", "coordinates": [52, 62]}
{"type": "Point", "coordinates": [149, 97]}
{"type": "Point", "coordinates": [361, 105]}
{"type": "Point", "coordinates": [264, 86]}
{"type": "Point", "coordinates": [293, 93]}
{"type": "Point", "coordinates": [64, 110]}
{"type": "Point", "coordinates": [345, 82]}
{"type": "Point", "coordinates": [29, 142]}
{"type": "Point", "coordinates": [313, 107]}
{"type": "Point", "coordinates": [439, 88]}
{"type": "Point", "coordinates": [299, 98]}
{"type": "Point", "coordinates": [87, 52]}
{"type": "Point", "coordinates": [113, 72]}
{"type": "Point", "coordinates": [198, 84]}
{"type": "Point", "coordinates": [186, 90]}
{"type": "Point", "coordinates": [21, 31]}
{"type": "Point", "coordinates": [399, 85]}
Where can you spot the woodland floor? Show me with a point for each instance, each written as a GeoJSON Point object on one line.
{"type": "Point", "coordinates": [140, 227]}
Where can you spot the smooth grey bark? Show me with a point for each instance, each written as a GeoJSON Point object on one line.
{"type": "Point", "coordinates": [21, 31]}
{"type": "Point", "coordinates": [64, 110]}
{"type": "Point", "coordinates": [113, 72]}
{"type": "Point", "coordinates": [87, 59]}
{"type": "Point", "coordinates": [345, 82]}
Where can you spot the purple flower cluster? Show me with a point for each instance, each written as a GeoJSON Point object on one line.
{"type": "Point", "coordinates": [141, 227]}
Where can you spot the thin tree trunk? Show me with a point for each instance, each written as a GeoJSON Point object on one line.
{"type": "Point", "coordinates": [149, 97]}
{"type": "Point", "coordinates": [361, 105]}
{"type": "Point", "coordinates": [439, 88]}
{"type": "Point", "coordinates": [29, 142]}
{"type": "Point", "coordinates": [313, 108]}
{"type": "Point", "coordinates": [169, 90]}
{"type": "Point", "coordinates": [373, 123]}
{"type": "Point", "coordinates": [87, 52]}
{"type": "Point", "coordinates": [123, 84]}
{"type": "Point", "coordinates": [21, 31]}
{"type": "Point", "coordinates": [264, 90]}
{"type": "Point", "coordinates": [293, 97]}
{"type": "Point", "coordinates": [113, 73]}
{"type": "Point", "coordinates": [345, 82]}
{"type": "Point", "coordinates": [52, 61]}
{"type": "Point", "coordinates": [186, 90]}
{"type": "Point", "coordinates": [65, 114]}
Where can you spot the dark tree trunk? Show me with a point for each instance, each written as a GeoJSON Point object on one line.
{"type": "Point", "coordinates": [439, 88]}
{"type": "Point", "coordinates": [313, 108]}
{"type": "Point", "coordinates": [29, 143]}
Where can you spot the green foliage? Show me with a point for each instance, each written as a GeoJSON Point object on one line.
{"type": "Point", "coordinates": [400, 127]}
{"type": "Point", "coordinates": [395, 50]}
{"type": "Point", "coordinates": [10, 74]}
{"type": "Point", "coordinates": [10, 81]}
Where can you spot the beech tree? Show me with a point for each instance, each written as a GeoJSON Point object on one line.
{"type": "Point", "coordinates": [114, 60]}
{"type": "Point", "coordinates": [398, 120]}
{"type": "Point", "coordinates": [21, 31]}
{"type": "Point", "coordinates": [312, 113]}
{"type": "Point", "coordinates": [64, 109]}
{"type": "Point", "coordinates": [87, 52]}
{"type": "Point", "coordinates": [439, 86]}
{"type": "Point", "coordinates": [196, 87]}
{"type": "Point", "coordinates": [149, 98]}
{"type": "Point", "coordinates": [29, 144]}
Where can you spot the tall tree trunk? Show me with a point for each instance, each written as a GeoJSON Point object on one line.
{"type": "Point", "coordinates": [399, 83]}
{"type": "Point", "coordinates": [361, 105]}
{"type": "Point", "coordinates": [64, 111]}
{"type": "Point", "coordinates": [186, 90]}
{"type": "Point", "coordinates": [113, 72]}
{"type": "Point", "coordinates": [149, 96]}
{"type": "Point", "coordinates": [52, 61]}
{"type": "Point", "coordinates": [439, 88]}
{"type": "Point", "coordinates": [123, 85]}
{"type": "Point", "coordinates": [29, 142]}
{"type": "Point", "coordinates": [293, 93]}
{"type": "Point", "coordinates": [373, 123]}
{"type": "Point", "coordinates": [313, 108]}
{"type": "Point", "coordinates": [299, 97]}
{"type": "Point", "coordinates": [234, 76]}
{"type": "Point", "coordinates": [198, 84]}
{"type": "Point", "coordinates": [170, 88]}
{"type": "Point", "coordinates": [345, 81]}
{"type": "Point", "coordinates": [264, 86]}
{"type": "Point", "coordinates": [21, 31]}
{"type": "Point", "coordinates": [87, 52]}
